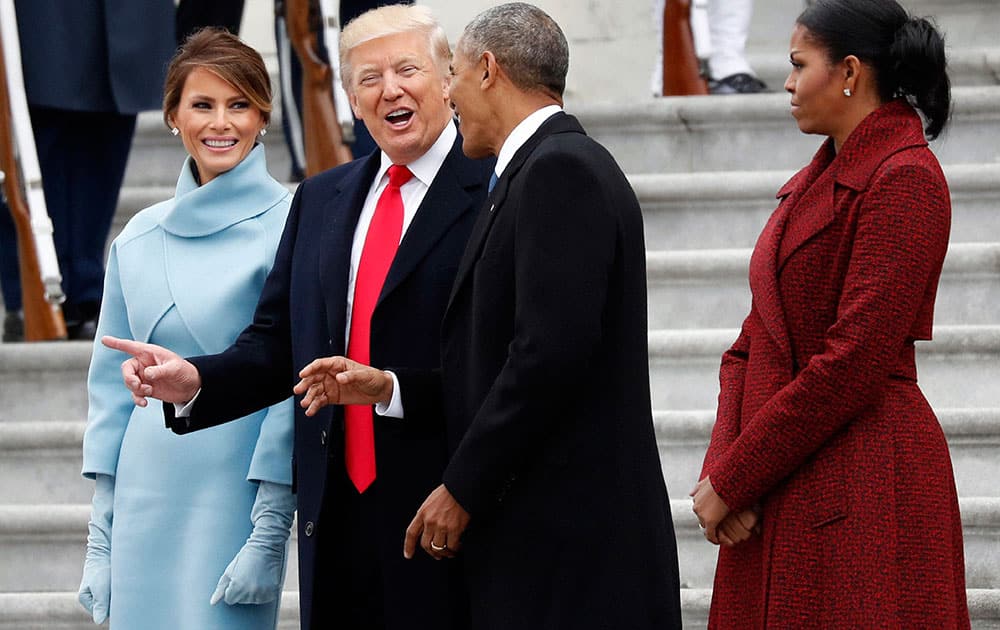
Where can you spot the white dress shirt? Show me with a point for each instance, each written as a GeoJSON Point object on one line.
{"type": "Point", "coordinates": [424, 169]}
{"type": "Point", "coordinates": [520, 134]}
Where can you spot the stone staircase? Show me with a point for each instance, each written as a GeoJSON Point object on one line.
{"type": "Point", "coordinates": [706, 171]}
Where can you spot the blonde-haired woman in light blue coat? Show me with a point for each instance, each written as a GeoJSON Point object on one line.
{"type": "Point", "coordinates": [192, 531]}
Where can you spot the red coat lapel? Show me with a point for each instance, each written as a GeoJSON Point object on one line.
{"type": "Point", "coordinates": [772, 249]}
{"type": "Point", "coordinates": [813, 192]}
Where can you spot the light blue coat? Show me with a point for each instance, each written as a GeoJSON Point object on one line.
{"type": "Point", "coordinates": [186, 274]}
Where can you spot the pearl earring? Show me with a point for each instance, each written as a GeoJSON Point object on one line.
{"type": "Point", "coordinates": [175, 130]}
{"type": "Point", "coordinates": [847, 92]}
{"type": "Point", "coordinates": [263, 132]}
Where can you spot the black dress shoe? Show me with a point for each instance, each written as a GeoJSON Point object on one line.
{"type": "Point", "coordinates": [85, 330]}
{"type": "Point", "coordinates": [81, 320]}
{"type": "Point", "coordinates": [13, 327]}
{"type": "Point", "coordinates": [741, 83]}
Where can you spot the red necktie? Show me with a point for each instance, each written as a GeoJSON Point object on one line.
{"type": "Point", "coordinates": [380, 247]}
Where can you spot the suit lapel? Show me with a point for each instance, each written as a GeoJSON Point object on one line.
{"type": "Point", "coordinates": [558, 123]}
{"type": "Point", "coordinates": [487, 214]}
{"type": "Point", "coordinates": [340, 218]}
{"type": "Point", "coordinates": [446, 200]}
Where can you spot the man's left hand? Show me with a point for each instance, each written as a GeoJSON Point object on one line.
{"type": "Point", "coordinates": [437, 527]}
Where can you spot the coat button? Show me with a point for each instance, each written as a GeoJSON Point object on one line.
{"type": "Point", "coordinates": [309, 528]}
{"type": "Point", "coordinates": [322, 438]}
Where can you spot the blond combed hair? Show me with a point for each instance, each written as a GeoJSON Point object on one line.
{"type": "Point", "coordinates": [391, 20]}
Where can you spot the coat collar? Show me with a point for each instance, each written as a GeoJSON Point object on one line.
{"type": "Point", "coordinates": [888, 130]}
{"type": "Point", "coordinates": [892, 128]}
{"type": "Point", "coordinates": [236, 195]}
{"type": "Point", "coordinates": [449, 197]}
{"type": "Point", "coordinates": [340, 214]}
{"type": "Point", "coordinates": [558, 123]}
{"type": "Point", "coordinates": [219, 245]}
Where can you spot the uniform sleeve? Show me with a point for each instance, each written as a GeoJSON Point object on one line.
{"type": "Point", "coordinates": [110, 403]}
{"type": "Point", "coordinates": [899, 245]}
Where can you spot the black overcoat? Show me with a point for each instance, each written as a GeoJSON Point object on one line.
{"type": "Point", "coordinates": [545, 380]}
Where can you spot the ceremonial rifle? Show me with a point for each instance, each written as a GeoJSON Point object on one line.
{"type": "Point", "coordinates": [323, 137]}
{"type": "Point", "coordinates": [686, 47]}
{"type": "Point", "coordinates": [41, 283]}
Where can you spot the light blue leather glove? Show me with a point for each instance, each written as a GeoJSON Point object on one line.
{"type": "Point", "coordinates": [257, 572]}
{"type": "Point", "coordinates": [95, 587]}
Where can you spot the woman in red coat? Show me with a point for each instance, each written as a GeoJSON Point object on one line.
{"type": "Point", "coordinates": [828, 480]}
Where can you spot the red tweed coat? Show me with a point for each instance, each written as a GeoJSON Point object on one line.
{"type": "Point", "coordinates": [820, 420]}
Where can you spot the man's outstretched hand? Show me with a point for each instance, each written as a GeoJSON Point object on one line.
{"type": "Point", "coordinates": [155, 371]}
{"type": "Point", "coordinates": [340, 381]}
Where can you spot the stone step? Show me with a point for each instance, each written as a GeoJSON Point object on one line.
{"type": "Point", "coordinates": [43, 546]}
{"type": "Point", "coordinates": [967, 66]}
{"type": "Point", "coordinates": [61, 611]}
{"type": "Point", "coordinates": [729, 209]}
{"type": "Point", "coordinates": [44, 381]}
{"type": "Point", "coordinates": [719, 210]}
{"type": "Point", "coordinates": [973, 440]}
{"type": "Point", "coordinates": [960, 368]}
{"type": "Point", "coordinates": [707, 288]}
{"type": "Point", "coordinates": [40, 461]}
{"type": "Point", "coordinates": [678, 134]}
{"type": "Point", "coordinates": [47, 381]}
{"type": "Point", "coordinates": [964, 23]}
{"type": "Point", "coordinates": [754, 132]}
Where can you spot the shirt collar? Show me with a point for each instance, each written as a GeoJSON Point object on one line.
{"type": "Point", "coordinates": [520, 134]}
{"type": "Point", "coordinates": [425, 167]}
